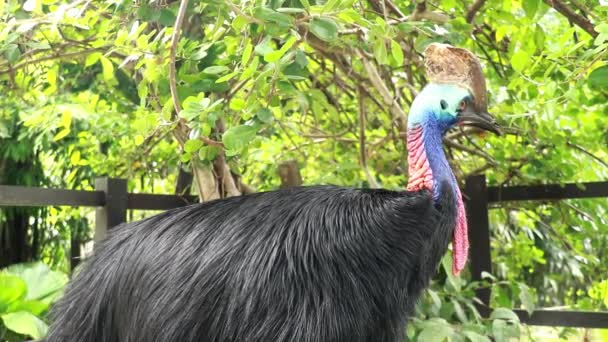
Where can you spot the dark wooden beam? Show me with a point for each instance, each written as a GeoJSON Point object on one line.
{"type": "Point", "coordinates": [479, 232]}
{"type": "Point", "coordinates": [547, 192]}
{"type": "Point", "coordinates": [575, 319]}
{"type": "Point", "coordinates": [33, 197]}
{"type": "Point", "coordinates": [158, 202]}
{"type": "Point", "coordinates": [114, 212]}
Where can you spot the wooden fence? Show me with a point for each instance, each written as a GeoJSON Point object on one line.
{"type": "Point", "coordinates": [479, 196]}
{"type": "Point", "coordinates": [112, 202]}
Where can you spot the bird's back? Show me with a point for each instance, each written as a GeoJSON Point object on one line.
{"type": "Point", "coordinates": [318, 263]}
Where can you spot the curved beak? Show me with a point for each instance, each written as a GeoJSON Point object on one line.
{"type": "Point", "coordinates": [482, 119]}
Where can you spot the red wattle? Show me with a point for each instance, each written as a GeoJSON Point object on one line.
{"type": "Point", "coordinates": [460, 241]}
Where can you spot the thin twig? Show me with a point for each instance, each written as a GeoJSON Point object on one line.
{"type": "Point", "coordinates": [381, 87]}
{"type": "Point", "coordinates": [593, 156]}
{"type": "Point", "coordinates": [472, 11]}
{"type": "Point", "coordinates": [53, 56]}
{"type": "Point", "coordinates": [181, 130]}
{"type": "Point", "coordinates": [362, 150]}
{"type": "Point", "coordinates": [181, 13]}
{"type": "Point", "coordinates": [476, 152]}
{"type": "Point", "coordinates": [572, 16]}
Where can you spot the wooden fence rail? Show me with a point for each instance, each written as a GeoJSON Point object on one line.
{"type": "Point", "coordinates": [479, 196]}
{"type": "Point", "coordinates": [112, 201]}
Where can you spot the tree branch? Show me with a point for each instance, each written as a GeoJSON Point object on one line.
{"type": "Point", "coordinates": [381, 87]}
{"type": "Point", "coordinates": [593, 156]}
{"type": "Point", "coordinates": [362, 150]}
{"type": "Point", "coordinates": [574, 17]}
{"type": "Point", "coordinates": [472, 12]}
{"type": "Point", "coordinates": [53, 56]}
{"type": "Point", "coordinates": [177, 28]}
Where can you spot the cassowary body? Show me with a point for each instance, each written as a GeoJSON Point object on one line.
{"type": "Point", "coordinates": [311, 264]}
{"type": "Point", "coordinates": [307, 264]}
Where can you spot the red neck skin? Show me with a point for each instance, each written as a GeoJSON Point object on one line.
{"type": "Point", "coordinates": [419, 169]}
{"type": "Point", "coordinates": [421, 177]}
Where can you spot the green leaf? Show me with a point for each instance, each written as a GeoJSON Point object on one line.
{"type": "Point", "coordinates": [288, 44]}
{"type": "Point", "coordinates": [13, 288]}
{"type": "Point", "coordinates": [237, 104]}
{"type": "Point", "coordinates": [380, 51]}
{"type": "Point", "coordinates": [40, 280]}
{"type": "Point", "coordinates": [273, 56]}
{"type": "Point", "coordinates": [530, 7]}
{"type": "Point", "coordinates": [268, 15]}
{"type": "Point", "coordinates": [504, 313]}
{"type": "Point", "coordinates": [200, 53]}
{"type": "Point", "coordinates": [598, 78]}
{"type": "Point", "coordinates": [51, 77]}
{"type": "Point", "coordinates": [62, 134]}
{"type": "Point", "coordinates": [4, 133]}
{"type": "Point", "coordinates": [25, 323]}
{"type": "Point", "coordinates": [145, 12]}
{"type": "Point", "coordinates": [526, 297]}
{"type": "Point", "coordinates": [503, 331]}
{"type": "Point", "coordinates": [301, 59]}
{"type": "Point", "coordinates": [240, 22]}
{"type": "Point", "coordinates": [459, 311]}
{"type": "Point", "coordinates": [330, 5]}
{"type": "Point", "coordinates": [139, 139]}
{"type": "Point", "coordinates": [226, 77]}
{"type": "Point", "coordinates": [520, 60]}
{"type": "Point", "coordinates": [92, 58]}
{"type": "Point", "coordinates": [487, 275]}
{"type": "Point", "coordinates": [192, 145]}
{"type": "Point", "coordinates": [263, 47]}
{"type": "Point", "coordinates": [499, 330]}
{"type": "Point", "coordinates": [397, 52]}
{"type": "Point", "coordinates": [235, 138]}
{"type": "Point", "coordinates": [539, 38]}
{"type": "Point", "coordinates": [34, 307]}
{"type": "Point", "coordinates": [291, 10]}
{"type": "Point", "coordinates": [251, 69]}
{"type": "Point", "coordinates": [66, 118]}
{"type": "Point", "coordinates": [324, 28]}
{"type": "Point", "coordinates": [215, 70]}
{"type": "Point", "coordinates": [108, 70]}
{"type": "Point", "coordinates": [247, 53]}
{"type": "Point", "coordinates": [475, 337]}
{"type": "Point", "coordinates": [208, 153]}
{"type": "Point", "coordinates": [12, 53]}
{"type": "Point", "coordinates": [167, 17]}
{"type": "Point", "coordinates": [265, 115]}
{"type": "Point", "coordinates": [435, 330]}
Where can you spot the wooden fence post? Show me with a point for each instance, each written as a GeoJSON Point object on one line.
{"type": "Point", "coordinates": [114, 211]}
{"type": "Point", "coordinates": [479, 234]}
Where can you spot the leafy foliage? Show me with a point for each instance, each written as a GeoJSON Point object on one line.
{"type": "Point", "coordinates": [27, 292]}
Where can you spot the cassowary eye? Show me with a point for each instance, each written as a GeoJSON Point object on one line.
{"type": "Point", "coordinates": [462, 106]}
{"type": "Point", "coordinates": [444, 105]}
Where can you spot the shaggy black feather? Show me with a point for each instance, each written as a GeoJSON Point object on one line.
{"type": "Point", "coordinates": [311, 264]}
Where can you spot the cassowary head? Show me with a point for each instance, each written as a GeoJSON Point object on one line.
{"type": "Point", "coordinates": [456, 94]}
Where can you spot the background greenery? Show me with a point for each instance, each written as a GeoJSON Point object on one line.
{"type": "Point", "coordinates": [111, 87]}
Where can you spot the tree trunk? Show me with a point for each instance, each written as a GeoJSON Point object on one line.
{"type": "Point", "coordinates": [289, 172]}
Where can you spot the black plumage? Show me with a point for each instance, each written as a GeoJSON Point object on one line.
{"type": "Point", "coordinates": [320, 263]}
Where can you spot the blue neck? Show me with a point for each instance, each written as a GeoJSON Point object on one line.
{"type": "Point", "coordinates": [433, 145]}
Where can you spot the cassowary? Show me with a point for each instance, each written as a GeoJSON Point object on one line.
{"type": "Point", "coordinates": [320, 263]}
